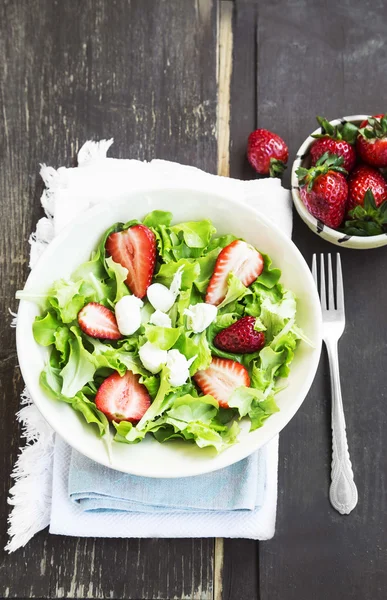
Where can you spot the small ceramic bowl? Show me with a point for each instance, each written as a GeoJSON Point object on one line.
{"type": "Point", "coordinates": [328, 234]}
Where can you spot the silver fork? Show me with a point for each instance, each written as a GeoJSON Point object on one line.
{"type": "Point", "coordinates": [343, 491]}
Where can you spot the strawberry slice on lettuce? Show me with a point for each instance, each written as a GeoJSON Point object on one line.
{"type": "Point", "coordinates": [97, 321]}
{"type": "Point", "coordinates": [222, 377]}
{"type": "Point", "coordinates": [240, 259]}
{"type": "Point", "coordinates": [134, 249]}
{"type": "Point", "coordinates": [123, 398]}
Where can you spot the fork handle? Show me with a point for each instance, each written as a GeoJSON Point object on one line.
{"type": "Point", "coordinates": [343, 492]}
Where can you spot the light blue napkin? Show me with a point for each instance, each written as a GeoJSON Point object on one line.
{"type": "Point", "coordinates": [238, 487]}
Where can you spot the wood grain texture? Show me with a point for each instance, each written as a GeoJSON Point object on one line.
{"type": "Point", "coordinates": [224, 85]}
{"type": "Point", "coordinates": [321, 58]}
{"type": "Point", "coordinates": [143, 72]}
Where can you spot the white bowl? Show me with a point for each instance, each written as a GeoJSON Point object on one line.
{"type": "Point", "coordinates": [327, 233]}
{"type": "Point", "coordinates": [74, 245]}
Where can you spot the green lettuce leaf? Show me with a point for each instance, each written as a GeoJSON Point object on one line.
{"type": "Point", "coordinates": [90, 412]}
{"type": "Point", "coordinates": [196, 234]}
{"type": "Point", "coordinates": [260, 411]}
{"type": "Point", "coordinates": [94, 267]}
{"type": "Point", "coordinates": [120, 359]}
{"type": "Point", "coordinates": [158, 217]}
{"type": "Point", "coordinates": [189, 275]}
{"type": "Point", "coordinates": [188, 408]}
{"type": "Point", "coordinates": [275, 314]}
{"type": "Point", "coordinates": [44, 328]}
{"type": "Point", "coordinates": [189, 418]}
{"type": "Point", "coordinates": [162, 337]}
{"type": "Point", "coordinates": [242, 399]}
{"type": "Point", "coordinates": [62, 338]}
{"type": "Point", "coordinates": [186, 297]}
{"type": "Point", "coordinates": [202, 352]}
{"type": "Point", "coordinates": [206, 268]}
{"type": "Point", "coordinates": [181, 250]}
{"type": "Point", "coordinates": [164, 243]}
{"type": "Point", "coordinates": [221, 242]}
{"type": "Point", "coordinates": [118, 275]}
{"type": "Point", "coordinates": [152, 384]}
{"type": "Point", "coordinates": [162, 401]}
{"type": "Point", "coordinates": [67, 299]}
{"type": "Point", "coordinates": [51, 382]}
{"type": "Point", "coordinates": [41, 300]}
{"type": "Point", "coordinates": [235, 291]}
{"type": "Point", "coordinates": [269, 276]}
{"type": "Point", "coordinates": [300, 335]}
{"type": "Point", "coordinates": [80, 368]}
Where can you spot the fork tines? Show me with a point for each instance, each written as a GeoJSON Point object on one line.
{"type": "Point", "coordinates": [331, 289]}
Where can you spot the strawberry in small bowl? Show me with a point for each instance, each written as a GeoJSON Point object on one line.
{"type": "Point", "coordinates": [338, 185]}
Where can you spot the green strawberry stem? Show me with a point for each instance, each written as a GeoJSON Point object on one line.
{"type": "Point", "coordinates": [327, 162]}
{"type": "Point", "coordinates": [326, 127]}
{"type": "Point", "coordinates": [367, 219]}
{"type": "Point", "coordinates": [347, 132]}
{"type": "Point", "coordinates": [277, 167]}
{"type": "Point", "coordinates": [375, 129]}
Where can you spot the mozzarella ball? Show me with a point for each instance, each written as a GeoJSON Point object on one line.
{"type": "Point", "coordinates": [128, 314]}
{"type": "Point", "coordinates": [160, 297]}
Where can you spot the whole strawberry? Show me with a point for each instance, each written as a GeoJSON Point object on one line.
{"type": "Point", "coordinates": [267, 152]}
{"type": "Point", "coordinates": [371, 142]}
{"type": "Point", "coordinates": [365, 178]}
{"type": "Point", "coordinates": [324, 189]}
{"type": "Point", "coordinates": [240, 337]}
{"type": "Point", "coordinates": [337, 140]}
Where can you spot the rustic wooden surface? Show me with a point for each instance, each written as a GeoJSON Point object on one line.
{"type": "Point", "coordinates": [320, 58]}
{"type": "Point", "coordinates": [145, 72]}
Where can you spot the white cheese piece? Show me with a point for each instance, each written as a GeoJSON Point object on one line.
{"type": "Point", "coordinates": [176, 281]}
{"type": "Point", "coordinates": [161, 319]}
{"type": "Point", "coordinates": [178, 367]}
{"type": "Point", "coordinates": [200, 316]}
{"type": "Point", "coordinates": [128, 314]}
{"type": "Point", "coordinates": [160, 297]}
{"type": "Point", "coordinates": [152, 357]}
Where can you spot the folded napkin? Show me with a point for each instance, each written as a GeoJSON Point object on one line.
{"type": "Point", "coordinates": [238, 487]}
{"type": "Point", "coordinates": [82, 498]}
{"type": "Point", "coordinates": [69, 518]}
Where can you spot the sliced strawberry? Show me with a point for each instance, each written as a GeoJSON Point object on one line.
{"type": "Point", "coordinates": [123, 398]}
{"type": "Point", "coordinates": [221, 378]}
{"type": "Point", "coordinates": [134, 249]}
{"type": "Point", "coordinates": [240, 337]}
{"type": "Point", "coordinates": [239, 258]}
{"type": "Point", "coordinates": [97, 321]}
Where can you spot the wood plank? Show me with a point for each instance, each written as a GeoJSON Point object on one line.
{"type": "Point", "coordinates": [225, 39]}
{"type": "Point", "coordinates": [145, 73]}
{"type": "Point", "coordinates": [322, 59]}
{"type": "Point", "coordinates": [224, 85]}
{"type": "Point", "coordinates": [240, 561]}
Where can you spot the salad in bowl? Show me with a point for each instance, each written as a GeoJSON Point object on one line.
{"type": "Point", "coordinates": [171, 331]}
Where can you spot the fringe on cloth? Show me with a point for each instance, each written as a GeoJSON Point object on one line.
{"type": "Point", "coordinates": [14, 319]}
{"type": "Point", "coordinates": [30, 496]}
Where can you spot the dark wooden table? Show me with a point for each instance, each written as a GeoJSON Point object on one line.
{"type": "Point", "coordinates": [147, 73]}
